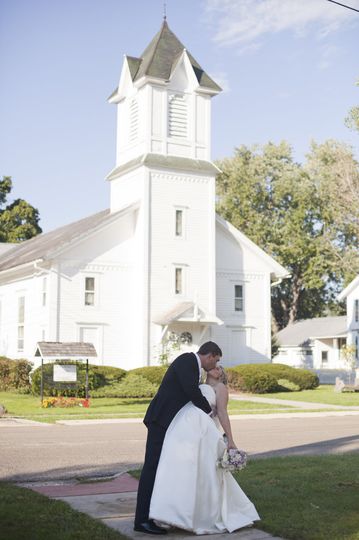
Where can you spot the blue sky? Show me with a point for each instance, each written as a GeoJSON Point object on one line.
{"type": "Point", "coordinates": [288, 69]}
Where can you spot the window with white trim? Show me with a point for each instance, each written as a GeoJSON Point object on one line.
{"type": "Point", "coordinates": [356, 310]}
{"type": "Point", "coordinates": [89, 291]}
{"type": "Point", "coordinates": [324, 358]}
{"type": "Point", "coordinates": [179, 222]}
{"type": "Point", "coordinates": [20, 323]}
{"type": "Point", "coordinates": [238, 298]}
{"type": "Point", "coordinates": [177, 116]}
{"type": "Point", "coordinates": [178, 280]}
{"type": "Point", "coordinates": [44, 290]}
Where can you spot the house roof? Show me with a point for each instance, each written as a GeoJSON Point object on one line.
{"type": "Point", "coordinates": [62, 349]}
{"type": "Point", "coordinates": [160, 57]}
{"type": "Point", "coordinates": [352, 285]}
{"type": "Point", "coordinates": [301, 332]}
{"type": "Point", "coordinates": [43, 246]}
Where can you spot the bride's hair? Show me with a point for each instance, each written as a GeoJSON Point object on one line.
{"type": "Point", "coordinates": [223, 378]}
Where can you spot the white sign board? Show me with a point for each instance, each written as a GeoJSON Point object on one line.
{"type": "Point", "coordinates": [65, 373]}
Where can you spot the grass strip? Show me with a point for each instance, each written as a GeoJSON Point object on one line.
{"type": "Point", "coordinates": [27, 515]}
{"type": "Point", "coordinates": [304, 498]}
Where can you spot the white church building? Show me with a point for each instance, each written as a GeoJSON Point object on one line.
{"type": "Point", "coordinates": [159, 264]}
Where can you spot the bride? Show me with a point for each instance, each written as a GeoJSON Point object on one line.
{"type": "Point", "coordinates": [190, 491]}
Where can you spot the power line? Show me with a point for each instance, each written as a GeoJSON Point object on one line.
{"type": "Point", "coordinates": [343, 5]}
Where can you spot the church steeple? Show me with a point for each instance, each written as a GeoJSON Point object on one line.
{"type": "Point", "coordinates": [163, 100]}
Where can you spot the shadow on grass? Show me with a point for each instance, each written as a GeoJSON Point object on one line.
{"type": "Point", "coordinates": [342, 445]}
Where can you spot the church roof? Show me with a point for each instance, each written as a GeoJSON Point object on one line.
{"type": "Point", "coordinates": [43, 245]}
{"type": "Point", "coordinates": [160, 57]}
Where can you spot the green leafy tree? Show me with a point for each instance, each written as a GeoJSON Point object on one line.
{"type": "Point", "coordinates": [279, 205]}
{"type": "Point", "coordinates": [352, 120]}
{"type": "Point", "coordinates": [19, 220]}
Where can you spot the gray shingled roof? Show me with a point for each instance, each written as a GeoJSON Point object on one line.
{"type": "Point", "coordinates": [299, 333]}
{"type": "Point", "coordinates": [63, 349]}
{"type": "Point", "coordinates": [160, 57]}
{"type": "Point", "coordinates": [166, 162]}
{"type": "Point", "coordinates": [42, 245]}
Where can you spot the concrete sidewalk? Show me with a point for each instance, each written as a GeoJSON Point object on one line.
{"type": "Point", "coordinates": [113, 502]}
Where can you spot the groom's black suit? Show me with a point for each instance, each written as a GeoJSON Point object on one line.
{"type": "Point", "coordinates": [178, 387]}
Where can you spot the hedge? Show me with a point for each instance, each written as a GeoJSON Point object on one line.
{"type": "Point", "coordinates": [98, 376]}
{"type": "Point", "coordinates": [154, 374]}
{"type": "Point", "coordinates": [250, 378]}
{"type": "Point", "coordinates": [15, 374]}
{"type": "Point", "coordinates": [131, 386]}
{"type": "Point", "coordinates": [266, 378]}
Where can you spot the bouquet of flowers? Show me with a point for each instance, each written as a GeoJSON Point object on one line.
{"type": "Point", "coordinates": [233, 459]}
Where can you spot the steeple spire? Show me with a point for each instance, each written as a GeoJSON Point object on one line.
{"type": "Point", "coordinates": [164, 11]}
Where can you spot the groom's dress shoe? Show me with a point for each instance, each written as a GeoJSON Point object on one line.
{"type": "Point", "coordinates": [149, 527]}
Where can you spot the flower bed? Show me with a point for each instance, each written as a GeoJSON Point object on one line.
{"type": "Point", "coordinates": [65, 402]}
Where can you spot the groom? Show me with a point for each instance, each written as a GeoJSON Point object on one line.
{"type": "Point", "coordinates": [179, 386]}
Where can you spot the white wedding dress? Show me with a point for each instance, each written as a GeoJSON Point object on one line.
{"type": "Point", "coordinates": [190, 491]}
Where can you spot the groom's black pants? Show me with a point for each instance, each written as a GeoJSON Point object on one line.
{"type": "Point", "coordinates": [155, 437]}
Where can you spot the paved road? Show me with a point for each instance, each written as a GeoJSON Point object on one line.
{"type": "Point", "coordinates": [49, 452]}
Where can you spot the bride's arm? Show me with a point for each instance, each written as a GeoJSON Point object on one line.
{"type": "Point", "coordinates": [222, 402]}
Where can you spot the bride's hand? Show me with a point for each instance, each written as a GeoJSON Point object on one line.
{"type": "Point", "coordinates": [232, 445]}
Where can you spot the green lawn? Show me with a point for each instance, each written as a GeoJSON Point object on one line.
{"type": "Point", "coordinates": [26, 515]}
{"type": "Point", "coordinates": [304, 498]}
{"type": "Point", "coordinates": [322, 394]}
{"type": "Point", "coordinates": [28, 407]}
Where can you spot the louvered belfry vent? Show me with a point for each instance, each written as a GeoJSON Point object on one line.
{"type": "Point", "coordinates": [177, 116]}
{"type": "Point", "coordinates": [133, 120]}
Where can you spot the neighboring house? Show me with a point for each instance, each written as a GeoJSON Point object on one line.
{"type": "Point", "coordinates": [351, 295]}
{"type": "Point", "coordinates": [317, 343]}
{"type": "Point", "coordinates": [159, 265]}
{"type": "Point", "coordinates": [313, 343]}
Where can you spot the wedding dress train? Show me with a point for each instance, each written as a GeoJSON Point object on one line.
{"type": "Point", "coordinates": [190, 491]}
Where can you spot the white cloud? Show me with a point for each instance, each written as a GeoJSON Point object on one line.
{"type": "Point", "coordinates": [244, 21]}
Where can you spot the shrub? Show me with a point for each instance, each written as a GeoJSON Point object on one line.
{"type": "Point", "coordinates": [98, 376]}
{"type": "Point", "coordinates": [15, 374]}
{"type": "Point", "coordinates": [131, 386]}
{"type": "Point", "coordinates": [261, 378]}
{"type": "Point", "coordinates": [250, 378]}
{"type": "Point", "coordinates": [288, 386]}
{"type": "Point", "coordinates": [154, 374]}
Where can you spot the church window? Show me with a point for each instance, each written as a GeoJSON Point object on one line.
{"type": "Point", "coordinates": [179, 222]}
{"type": "Point", "coordinates": [178, 280]}
{"type": "Point", "coordinates": [356, 310]}
{"type": "Point", "coordinates": [21, 322]}
{"type": "Point", "coordinates": [44, 288]}
{"type": "Point", "coordinates": [177, 116]}
{"type": "Point", "coordinates": [238, 298]}
{"type": "Point", "coordinates": [133, 131]}
{"type": "Point", "coordinates": [89, 291]}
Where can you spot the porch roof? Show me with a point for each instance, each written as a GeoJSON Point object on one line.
{"type": "Point", "coordinates": [186, 312]}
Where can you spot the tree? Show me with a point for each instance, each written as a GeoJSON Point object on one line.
{"type": "Point", "coordinates": [352, 120]}
{"type": "Point", "coordinates": [279, 205]}
{"type": "Point", "coordinates": [19, 220]}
